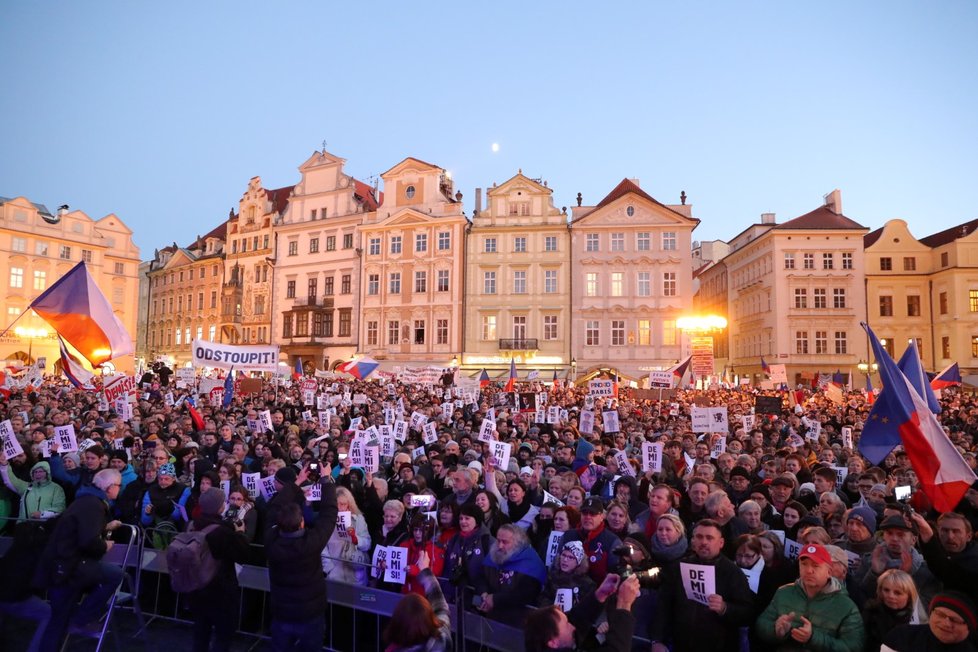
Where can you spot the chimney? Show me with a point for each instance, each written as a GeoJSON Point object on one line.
{"type": "Point", "coordinates": [833, 201]}
{"type": "Point", "coordinates": [768, 218]}
{"type": "Point", "coordinates": [636, 182]}
{"type": "Point", "coordinates": [478, 201]}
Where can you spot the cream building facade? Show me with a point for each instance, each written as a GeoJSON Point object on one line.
{"type": "Point", "coordinates": [38, 247]}
{"type": "Point", "coordinates": [797, 295]}
{"type": "Point", "coordinates": [518, 280]}
{"type": "Point", "coordinates": [413, 266]}
{"type": "Point", "coordinates": [318, 264]}
{"type": "Point", "coordinates": [632, 280]}
{"type": "Point", "coordinates": [246, 296]}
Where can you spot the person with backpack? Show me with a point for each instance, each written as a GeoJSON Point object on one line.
{"type": "Point", "coordinates": [201, 565]}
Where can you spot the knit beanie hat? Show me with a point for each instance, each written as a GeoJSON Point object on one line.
{"type": "Point", "coordinates": [864, 515]}
{"type": "Point", "coordinates": [286, 475]}
{"type": "Point", "coordinates": [167, 469]}
{"type": "Point", "coordinates": [212, 501]}
{"type": "Point", "coordinates": [576, 548]}
{"type": "Point", "coordinates": [960, 604]}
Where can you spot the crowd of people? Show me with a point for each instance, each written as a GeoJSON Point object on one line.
{"type": "Point", "coordinates": [773, 535]}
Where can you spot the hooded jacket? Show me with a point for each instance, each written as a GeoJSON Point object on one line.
{"type": "Point", "coordinates": [514, 584]}
{"type": "Point", "coordinates": [837, 625]}
{"type": "Point", "coordinates": [45, 496]}
{"type": "Point", "coordinates": [76, 537]}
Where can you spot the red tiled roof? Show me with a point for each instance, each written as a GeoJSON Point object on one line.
{"type": "Point", "coordinates": [821, 218]}
{"type": "Point", "coordinates": [628, 186]}
{"type": "Point", "coordinates": [366, 194]}
{"type": "Point", "coordinates": [279, 198]}
{"type": "Point", "coordinates": [870, 238]}
{"type": "Point", "coordinates": [950, 235]}
{"type": "Point", "coordinates": [220, 231]}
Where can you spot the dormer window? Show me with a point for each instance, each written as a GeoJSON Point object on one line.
{"type": "Point", "coordinates": [409, 192]}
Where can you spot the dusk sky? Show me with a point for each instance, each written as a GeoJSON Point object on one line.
{"type": "Point", "coordinates": [161, 112]}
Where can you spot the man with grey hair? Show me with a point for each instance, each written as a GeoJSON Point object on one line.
{"type": "Point", "coordinates": [513, 576]}
{"type": "Point", "coordinates": [71, 563]}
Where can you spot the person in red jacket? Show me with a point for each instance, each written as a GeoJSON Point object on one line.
{"type": "Point", "coordinates": [422, 538]}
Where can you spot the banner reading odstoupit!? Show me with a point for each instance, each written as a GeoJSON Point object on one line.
{"type": "Point", "coordinates": [242, 358]}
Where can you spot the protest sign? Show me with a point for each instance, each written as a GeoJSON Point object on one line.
{"type": "Point", "coordinates": [267, 487]}
{"type": "Point", "coordinates": [847, 437]}
{"type": "Point", "coordinates": [719, 447]}
{"type": "Point", "coordinates": [380, 557]}
{"type": "Point", "coordinates": [660, 379]}
{"type": "Point", "coordinates": [767, 405]}
{"type": "Point", "coordinates": [564, 599]}
{"type": "Point", "coordinates": [778, 374]}
{"type": "Point", "coordinates": [344, 520]}
{"type": "Point", "coordinates": [601, 388]}
{"type": "Point", "coordinates": [791, 549]}
{"type": "Point", "coordinates": [624, 466]}
{"type": "Point", "coordinates": [430, 432]}
{"type": "Point", "coordinates": [400, 430]}
{"type": "Point", "coordinates": [250, 482]}
{"type": "Point", "coordinates": [487, 431]}
{"type": "Point", "coordinates": [652, 456]}
{"type": "Point", "coordinates": [700, 419]}
{"type": "Point", "coordinates": [65, 435]}
{"type": "Point", "coordinates": [501, 451]}
{"type": "Point", "coordinates": [119, 386]}
{"type": "Point", "coordinates": [840, 475]}
{"type": "Point", "coordinates": [550, 498]}
{"type": "Point", "coordinates": [753, 575]}
{"type": "Point", "coordinates": [610, 421]}
{"type": "Point", "coordinates": [747, 421]}
{"type": "Point", "coordinates": [553, 546]}
{"type": "Point", "coordinates": [396, 565]}
{"type": "Point", "coordinates": [586, 425]}
{"type": "Point", "coordinates": [242, 358]}
{"type": "Point", "coordinates": [11, 447]}
{"type": "Point", "coordinates": [313, 492]}
{"type": "Point", "coordinates": [699, 581]}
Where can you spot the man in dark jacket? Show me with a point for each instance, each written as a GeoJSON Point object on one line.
{"type": "Point", "coordinates": [295, 572]}
{"type": "Point", "coordinates": [695, 627]}
{"type": "Point", "coordinates": [599, 543]}
{"type": "Point", "coordinates": [215, 607]}
{"type": "Point", "coordinates": [70, 565]}
{"type": "Point", "coordinates": [513, 576]}
{"type": "Point", "coordinates": [952, 556]}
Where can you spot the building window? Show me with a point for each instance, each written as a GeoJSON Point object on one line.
{"type": "Point", "coordinates": [550, 327]}
{"type": "Point", "coordinates": [828, 261]}
{"type": "Point", "coordinates": [312, 288]}
{"type": "Point", "coordinates": [618, 242]}
{"type": "Point", "coordinates": [420, 242]}
{"type": "Point", "coordinates": [214, 296]}
{"type": "Point", "coordinates": [65, 252]}
{"type": "Point", "coordinates": [643, 241]}
{"type": "Point", "coordinates": [346, 319]}
{"type": "Point", "coordinates": [909, 264]}
{"type": "Point", "coordinates": [294, 248]}
{"type": "Point", "coordinates": [913, 306]}
{"type": "Point", "coordinates": [519, 282]}
{"type": "Point", "coordinates": [19, 245]}
{"type": "Point", "coordinates": [946, 347]}
{"type": "Point", "coordinates": [178, 337]}
{"type": "Point", "coordinates": [550, 281]}
{"type": "Point", "coordinates": [944, 259]}
{"type": "Point", "coordinates": [617, 284]}
{"type": "Point", "coordinates": [331, 243]}
{"type": "Point", "coordinates": [41, 249]}
{"type": "Point", "coordinates": [393, 332]}
{"type": "Point", "coordinates": [801, 342]}
{"type": "Point", "coordinates": [519, 244]}
{"type": "Point", "coordinates": [409, 192]}
{"type": "Point", "coordinates": [617, 332]}
{"type": "Point", "coordinates": [973, 300]}
{"type": "Point", "coordinates": [371, 333]}
{"type": "Point", "coordinates": [489, 282]}
{"type": "Point", "coordinates": [550, 243]}
{"type": "Point", "coordinates": [801, 298]}
{"type": "Point", "coordinates": [669, 241]}
{"type": "Point", "coordinates": [421, 282]}
{"type": "Point", "coordinates": [644, 332]}
{"type": "Point", "coordinates": [669, 332]}
{"type": "Point", "coordinates": [841, 343]}
{"type": "Point", "coordinates": [328, 289]}
{"type": "Point", "coordinates": [789, 260]}
{"type": "Point", "coordinates": [40, 279]}
{"type": "Point", "coordinates": [394, 284]}
{"type": "Point", "coordinates": [373, 284]}
{"type": "Point", "coordinates": [395, 244]}
{"type": "Point", "coordinates": [591, 284]}
{"type": "Point", "coordinates": [886, 263]}
{"type": "Point", "coordinates": [348, 241]}
{"type": "Point", "coordinates": [488, 327]}
{"type": "Point", "coordinates": [443, 280]}
{"type": "Point", "coordinates": [374, 247]}
{"type": "Point", "coordinates": [444, 240]}
{"type": "Point", "coordinates": [16, 277]}
{"type": "Point", "coordinates": [821, 298]}
{"type": "Point", "coordinates": [809, 261]}
{"type": "Point", "coordinates": [886, 305]}
{"type": "Point", "coordinates": [441, 331]}
{"type": "Point", "coordinates": [592, 333]}
{"type": "Point", "coordinates": [519, 327]}
{"type": "Point", "coordinates": [290, 289]}
{"type": "Point", "coordinates": [212, 332]}
{"type": "Point", "coordinates": [489, 246]}
{"type": "Point", "coordinates": [314, 245]}
{"type": "Point", "coordinates": [821, 342]}
{"type": "Point", "coordinates": [644, 285]}
{"type": "Point", "coordinates": [419, 331]}
{"type": "Point", "coordinates": [200, 301]}
{"type": "Point", "coordinates": [669, 288]}
{"type": "Point", "coordinates": [592, 242]}
{"type": "Point", "coordinates": [839, 297]}
{"type": "Point", "coordinates": [846, 260]}
{"type": "Point", "coordinates": [942, 302]}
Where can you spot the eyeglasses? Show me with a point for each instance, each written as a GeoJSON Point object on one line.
{"type": "Point", "coordinates": [943, 614]}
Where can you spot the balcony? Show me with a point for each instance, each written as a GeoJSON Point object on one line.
{"type": "Point", "coordinates": [518, 344]}
{"type": "Point", "coordinates": [312, 302]}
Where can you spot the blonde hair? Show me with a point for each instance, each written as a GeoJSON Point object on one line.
{"type": "Point", "coordinates": [343, 492]}
{"type": "Point", "coordinates": [900, 580]}
{"type": "Point", "coordinates": [676, 523]}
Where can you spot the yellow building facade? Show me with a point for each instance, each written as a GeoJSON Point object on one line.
{"type": "Point", "coordinates": [38, 247]}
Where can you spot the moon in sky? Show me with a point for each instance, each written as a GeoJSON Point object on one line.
{"type": "Point", "coordinates": [495, 147]}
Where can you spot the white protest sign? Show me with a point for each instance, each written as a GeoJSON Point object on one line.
{"type": "Point", "coordinates": [45, 447]}
{"type": "Point", "coordinates": [847, 437]}
{"type": "Point", "coordinates": [267, 487]}
{"type": "Point", "coordinates": [227, 356]}
{"type": "Point", "coordinates": [396, 565]}
{"type": "Point", "coordinates": [501, 451]}
{"type": "Point", "coordinates": [853, 560]}
{"type": "Point", "coordinates": [719, 447]}
{"type": "Point", "coordinates": [418, 420]}
{"type": "Point", "coordinates": [718, 420]}
{"type": "Point", "coordinates": [748, 421]}
{"type": "Point", "coordinates": [168, 399]}
{"type": "Point", "coordinates": [307, 415]}
{"type": "Point", "coordinates": [324, 419]}
{"type": "Point", "coordinates": [550, 498]}
{"type": "Point", "coordinates": [660, 379]}
{"type": "Point", "coordinates": [700, 419]}
{"type": "Point", "coordinates": [265, 417]}
{"type": "Point", "coordinates": [610, 420]}
{"type": "Point", "coordinates": [417, 452]}
{"type": "Point", "coordinates": [344, 521]}
{"type": "Point", "coordinates": [624, 466]}
{"type": "Point", "coordinates": [586, 425]}
{"type": "Point", "coordinates": [250, 481]}
{"type": "Point", "coordinates": [699, 581]}
{"type": "Point", "coordinates": [65, 435]}
{"type": "Point", "coordinates": [553, 546]}
{"type": "Point", "coordinates": [791, 549]}
{"type": "Point", "coordinates": [564, 599]}
{"type": "Point", "coordinates": [387, 444]}
{"type": "Point", "coordinates": [779, 534]}
{"type": "Point", "coordinates": [120, 387]}
{"type": "Point", "coordinates": [308, 397]}
{"type": "Point", "coordinates": [553, 414]}
{"type": "Point", "coordinates": [371, 459]}
{"type": "Point", "coordinates": [840, 475]}
{"type": "Point", "coordinates": [123, 408]}
{"type": "Point", "coordinates": [400, 430]}
{"type": "Point", "coordinates": [380, 557]}
{"type": "Point", "coordinates": [601, 388]}
{"type": "Point", "coordinates": [778, 374]}
{"type": "Point", "coordinates": [652, 456]}
{"type": "Point", "coordinates": [313, 492]}
{"type": "Point", "coordinates": [430, 432]}
{"type": "Point", "coordinates": [322, 402]}
{"type": "Point", "coordinates": [359, 399]}
{"type": "Point", "coordinates": [540, 416]}
{"type": "Point", "coordinates": [11, 447]}
{"type": "Point", "coordinates": [487, 430]}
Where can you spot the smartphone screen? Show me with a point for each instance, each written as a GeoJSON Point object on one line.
{"type": "Point", "coordinates": [902, 493]}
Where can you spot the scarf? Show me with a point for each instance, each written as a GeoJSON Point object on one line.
{"type": "Point", "coordinates": [663, 553]}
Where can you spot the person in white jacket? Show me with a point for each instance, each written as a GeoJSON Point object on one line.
{"type": "Point", "coordinates": [345, 557]}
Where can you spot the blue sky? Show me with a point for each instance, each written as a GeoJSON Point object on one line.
{"type": "Point", "coordinates": [161, 112]}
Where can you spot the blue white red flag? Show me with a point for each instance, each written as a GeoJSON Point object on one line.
{"type": "Point", "coordinates": [360, 368]}
{"type": "Point", "coordinates": [297, 373]}
{"type": "Point", "coordinates": [765, 367]}
{"type": "Point", "coordinates": [75, 307]}
{"type": "Point", "coordinates": [680, 369]}
{"type": "Point", "coordinates": [949, 377]}
{"type": "Point", "coordinates": [910, 365]}
{"type": "Point", "coordinates": [511, 383]}
{"type": "Point", "coordinates": [556, 380]}
{"type": "Point", "coordinates": [73, 369]}
{"type": "Point", "coordinates": [944, 475]}
{"type": "Point", "coordinates": [194, 414]}
{"type": "Point", "coordinates": [484, 378]}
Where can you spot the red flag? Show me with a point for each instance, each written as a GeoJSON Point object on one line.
{"type": "Point", "coordinates": [511, 383]}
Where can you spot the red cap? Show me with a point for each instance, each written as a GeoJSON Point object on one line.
{"type": "Point", "coordinates": [816, 553]}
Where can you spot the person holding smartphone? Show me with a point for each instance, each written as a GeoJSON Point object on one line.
{"type": "Point", "coordinates": [898, 550]}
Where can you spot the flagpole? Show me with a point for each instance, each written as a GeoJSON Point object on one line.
{"type": "Point", "coordinates": [12, 324]}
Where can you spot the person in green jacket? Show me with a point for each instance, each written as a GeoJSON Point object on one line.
{"type": "Point", "coordinates": [39, 498]}
{"type": "Point", "coordinates": [814, 613]}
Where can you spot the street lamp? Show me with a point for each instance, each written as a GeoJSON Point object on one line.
{"type": "Point", "coordinates": [454, 360]}
{"type": "Point", "coordinates": [30, 334]}
{"type": "Point", "coordinates": [867, 368]}
{"type": "Point", "coordinates": [574, 368]}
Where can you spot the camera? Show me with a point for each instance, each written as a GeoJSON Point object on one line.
{"type": "Point", "coordinates": [314, 470]}
{"type": "Point", "coordinates": [646, 570]}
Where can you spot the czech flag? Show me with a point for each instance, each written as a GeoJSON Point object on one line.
{"type": "Point", "coordinates": [76, 308]}
{"type": "Point", "coordinates": [511, 383]}
{"type": "Point", "coordinates": [765, 367]}
{"type": "Point", "coordinates": [909, 364]}
{"type": "Point", "coordinates": [950, 377]}
{"type": "Point", "coordinates": [360, 368]}
{"type": "Point", "coordinates": [297, 374]}
{"type": "Point", "coordinates": [194, 414]}
{"type": "Point", "coordinates": [944, 475]}
{"type": "Point", "coordinates": [556, 380]}
{"type": "Point", "coordinates": [73, 369]}
{"type": "Point", "coordinates": [484, 378]}
{"type": "Point", "coordinates": [680, 369]}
